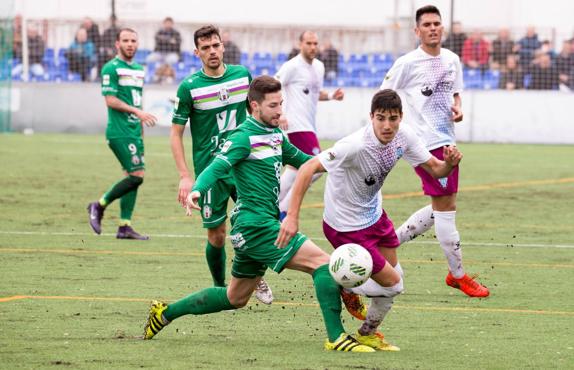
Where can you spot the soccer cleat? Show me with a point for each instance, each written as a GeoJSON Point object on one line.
{"type": "Point", "coordinates": [376, 341]}
{"type": "Point", "coordinates": [354, 304]}
{"type": "Point", "coordinates": [263, 292]}
{"type": "Point", "coordinates": [155, 321]}
{"type": "Point", "coordinates": [96, 213]}
{"type": "Point", "coordinates": [468, 285]}
{"type": "Point", "coordinates": [346, 343]}
{"type": "Point", "coordinates": [126, 232]}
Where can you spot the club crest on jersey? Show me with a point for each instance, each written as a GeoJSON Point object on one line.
{"type": "Point", "coordinates": [276, 142]}
{"type": "Point", "coordinates": [426, 90]}
{"type": "Point", "coordinates": [400, 152]}
{"type": "Point", "coordinates": [331, 155]}
{"type": "Point", "coordinates": [207, 212]}
{"type": "Point", "coordinates": [370, 180]}
{"type": "Point", "coordinates": [223, 95]}
{"type": "Point", "coordinates": [106, 80]}
{"type": "Point", "coordinates": [135, 160]}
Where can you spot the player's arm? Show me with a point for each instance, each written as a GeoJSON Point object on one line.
{"type": "Point", "coordinates": [235, 149]}
{"type": "Point", "coordinates": [283, 75]}
{"type": "Point", "coordinates": [181, 113]}
{"type": "Point", "coordinates": [338, 94]}
{"type": "Point", "coordinates": [290, 224]}
{"type": "Point", "coordinates": [438, 168]}
{"type": "Point", "coordinates": [457, 108]}
{"type": "Point", "coordinates": [116, 104]}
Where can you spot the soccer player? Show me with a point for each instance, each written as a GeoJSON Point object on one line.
{"type": "Point", "coordinates": [358, 166]}
{"type": "Point", "coordinates": [430, 80]}
{"type": "Point", "coordinates": [255, 153]}
{"type": "Point", "coordinates": [302, 80]}
{"type": "Point", "coordinates": [213, 100]}
{"type": "Point", "coordinates": [122, 84]}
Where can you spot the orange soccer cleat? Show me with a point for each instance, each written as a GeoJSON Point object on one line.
{"type": "Point", "coordinates": [468, 285]}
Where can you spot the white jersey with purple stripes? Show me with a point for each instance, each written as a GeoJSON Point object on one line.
{"type": "Point", "coordinates": [427, 85]}
{"type": "Point", "coordinates": [358, 166]}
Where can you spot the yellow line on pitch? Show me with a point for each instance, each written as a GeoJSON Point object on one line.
{"type": "Point", "coordinates": [191, 254]}
{"type": "Point", "coordinates": [302, 304]}
{"type": "Point", "coordinates": [503, 185]}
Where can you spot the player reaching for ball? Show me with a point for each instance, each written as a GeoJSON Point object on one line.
{"type": "Point", "coordinates": [358, 165]}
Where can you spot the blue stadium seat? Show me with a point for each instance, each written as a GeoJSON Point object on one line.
{"type": "Point", "coordinates": [244, 58]}
{"type": "Point", "coordinates": [472, 78]}
{"type": "Point", "coordinates": [491, 79]}
{"type": "Point", "coordinates": [280, 59]}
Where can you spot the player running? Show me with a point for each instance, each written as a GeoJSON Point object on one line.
{"type": "Point", "coordinates": [122, 85]}
{"type": "Point", "coordinates": [430, 80]}
{"type": "Point", "coordinates": [358, 166]}
{"type": "Point", "coordinates": [213, 100]}
{"type": "Point", "coordinates": [254, 154]}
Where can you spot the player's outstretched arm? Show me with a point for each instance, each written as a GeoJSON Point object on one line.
{"type": "Point", "coordinates": [437, 168]}
{"type": "Point", "coordinates": [178, 152]}
{"type": "Point", "coordinates": [290, 224]}
{"type": "Point", "coordinates": [338, 94]}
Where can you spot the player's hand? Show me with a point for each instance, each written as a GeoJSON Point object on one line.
{"type": "Point", "coordinates": [283, 124]}
{"type": "Point", "coordinates": [185, 185]}
{"type": "Point", "coordinates": [147, 119]}
{"type": "Point", "coordinates": [456, 113]}
{"type": "Point", "coordinates": [452, 155]}
{"type": "Point", "coordinates": [191, 202]}
{"type": "Point", "coordinates": [338, 94]}
{"type": "Point", "coordinates": [289, 228]}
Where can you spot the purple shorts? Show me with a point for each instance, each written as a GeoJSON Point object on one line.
{"type": "Point", "coordinates": [438, 187]}
{"type": "Point", "coordinates": [380, 234]}
{"type": "Point", "coordinates": [305, 141]}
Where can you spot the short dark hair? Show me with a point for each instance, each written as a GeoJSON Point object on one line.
{"type": "Point", "coordinates": [426, 10]}
{"type": "Point", "coordinates": [262, 85]}
{"type": "Point", "coordinates": [125, 29]}
{"type": "Point", "coordinates": [386, 100]}
{"type": "Point", "coordinates": [302, 35]}
{"type": "Point", "coordinates": [206, 32]}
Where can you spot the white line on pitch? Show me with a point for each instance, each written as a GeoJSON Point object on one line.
{"type": "Point", "coordinates": [465, 243]}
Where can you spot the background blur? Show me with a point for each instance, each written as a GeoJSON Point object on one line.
{"type": "Point", "coordinates": [518, 58]}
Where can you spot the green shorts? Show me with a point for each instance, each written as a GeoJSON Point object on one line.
{"type": "Point", "coordinates": [130, 153]}
{"type": "Point", "coordinates": [255, 252]}
{"type": "Point", "coordinates": [214, 203]}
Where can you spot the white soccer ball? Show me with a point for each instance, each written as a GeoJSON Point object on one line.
{"type": "Point", "coordinates": [350, 265]}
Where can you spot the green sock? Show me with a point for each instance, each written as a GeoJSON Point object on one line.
{"type": "Point", "coordinates": [216, 262]}
{"type": "Point", "coordinates": [327, 292]}
{"type": "Point", "coordinates": [121, 188]}
{"type": "Point", "coordinates": [205, 301]}
{"type": "Point", "coordinates": [127, 204]}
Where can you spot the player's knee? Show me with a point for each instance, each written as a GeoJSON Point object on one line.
{"type": "Point", "coordinates": [239, 301]}
{"type": "Point", "coordinates": [136, 180]}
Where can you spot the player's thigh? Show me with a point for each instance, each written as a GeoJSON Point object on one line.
{"type": "Point", "coordinates": [129, 152]}
{"type": "Point", "coordinates": [308, 258]}
{"type": "Point", "coordinates": [240, 289]}
{"type": "Point", "coordinates": [444, 203]}
{"type": "Point", "coordinates": [387, 277]}
{"type": "Point", "coordinates": [214, 202]}
{"type": "Point", "coordinates": [390, 255]}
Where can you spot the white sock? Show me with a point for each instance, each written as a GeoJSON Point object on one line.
{"type": "Point", "coordinates": [418, 223]}
{"type": "Point", "coordinates": [449, 239]}
{"type": "Point", "coordinates": [287, 180]}
{"type": "Point", "coordinates": [376, 313]}
{"type": "Point", "coordinates": [284, 203]}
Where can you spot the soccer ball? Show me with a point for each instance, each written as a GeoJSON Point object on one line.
{"type": "Point", "coordinates": [350, 265]}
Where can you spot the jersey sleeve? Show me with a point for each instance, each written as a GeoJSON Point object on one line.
{"type": "Point", "coordinates": [395, 77]}
{"type": "Point", "coordinates": [416, 152]}
{"type": "Point", "coordinates": [339, 155]}
{"type": "Point", "coordinates": [458, 84]}
{"type": "Point", "coordinates": [183, 105]}
{"type": "Point", "coordinates": [284, 74]}
{"type": "Point", "coordinates": [292, 155]}
{"type": "Point", "coordinates": [109, 81]}
{"type": "Point", "coordinates": [235, 149]}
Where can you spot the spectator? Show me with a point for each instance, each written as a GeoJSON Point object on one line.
{"type": "Point", "coordinates": [164, 74]}
{"type": "Point", "coordinates": [81, 54]}
{"type": "Point", "coordinates": [455, 39]}
{"type": "Point", "coordinates": [294, 51]}
{"type": "Point", "coordinates": [167, 44]}
{"type": "Point", "coordinates": [546, 47]}
{"type": "Point", "coordinates": [108, 43]}
{"type": "Point", "coordinates": [330, 58]}
{"type": "Point", "coordinates": [36, 49]}
{"type": "Point", "coordinates": [232, 53]}
{"type": "Point", "coordinates": [511, 77]}
{"type": "Point", "coordinates": [475, 52]}
{"type": "Point", "coordinates": [565, 63]}
{"type": "Point", "coordinates": [93, 31]}
{"type": "Point", "coordinates": [17, 38]}
{"type": "Point", "coordinates": [544, 74]}
{"type": "Point", "coordinates": [527, 47]}
{"type": "Point", "coordinates": [502, 47]}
